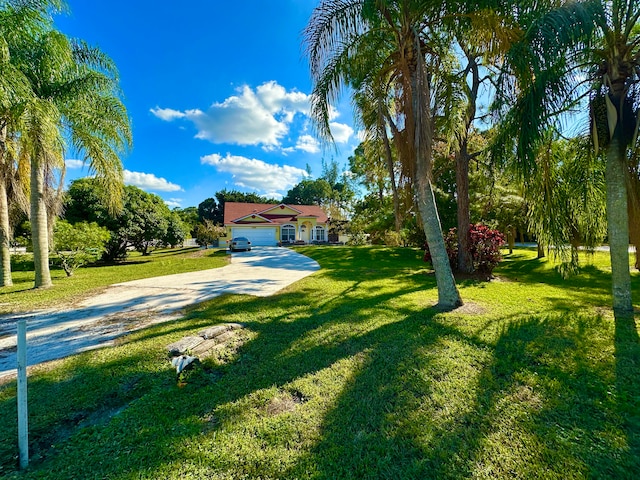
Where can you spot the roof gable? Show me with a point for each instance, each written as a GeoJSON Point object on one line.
{"type": "Point", "coordinates": [281, 209]}
{"type": "Point", "coordinates": [253, 218]}
{"type": "Point", "coordinates": [237, 212]}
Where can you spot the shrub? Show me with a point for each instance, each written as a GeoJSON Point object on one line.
{"type": "Point", "coordinates": [484, 245]}
{"type": "Point", "coordinates": [392, 239]}
{"type": "Point", "coordinates": [357, 238]}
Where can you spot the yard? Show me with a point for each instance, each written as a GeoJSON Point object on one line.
{"type": "Point", "coordinates": [351, 373]}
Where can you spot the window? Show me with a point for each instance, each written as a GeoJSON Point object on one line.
{"type": "Point", "coordinates": [320, 234]}
{"type": "Point", "coordinates": [288, 233]}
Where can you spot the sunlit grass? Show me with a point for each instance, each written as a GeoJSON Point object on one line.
{"type": "Point", "coordinates": [22, 296]}
{"type": "Point", "coordinates": [351, 373]}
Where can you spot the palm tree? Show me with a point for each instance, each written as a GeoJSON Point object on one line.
{"type": "Point", "coordinates": [348, 40]}
{"type": "Point", "coordinates": [76, 99]}
{"type": "Point", "coordinates": [573, 54]}
{"type": "Point", "coordinates": [18, 20]}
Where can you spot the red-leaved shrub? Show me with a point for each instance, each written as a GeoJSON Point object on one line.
{"type": "Point", "coordinates": [484, 246]}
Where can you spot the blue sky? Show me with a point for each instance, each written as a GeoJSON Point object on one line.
{"type": "Point", "coordinates": [217, 92]}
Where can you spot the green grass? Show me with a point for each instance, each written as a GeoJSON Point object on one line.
{"type": "Point", "coordinates": [22, 296]}
{"type": "Point", "coordinates": [351, 373]}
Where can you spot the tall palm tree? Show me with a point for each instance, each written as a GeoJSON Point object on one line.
{"type": "Point", "coordinates": [574, 54]}
{"type": "Point", "coordinates": [19, 19]}
{"type": "Point", "coordinates": [76, 99]}
{"type": "Point", "coordinates": [349, 39]}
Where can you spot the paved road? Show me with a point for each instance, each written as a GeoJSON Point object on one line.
{"type": "Point", "coordinates": [128, 306]}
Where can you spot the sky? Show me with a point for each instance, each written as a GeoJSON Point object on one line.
{"type": "Point", "coordinates": [217, 92]}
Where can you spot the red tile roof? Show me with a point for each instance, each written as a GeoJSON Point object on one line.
{"type": "Point", "coordinates": [235, 211]}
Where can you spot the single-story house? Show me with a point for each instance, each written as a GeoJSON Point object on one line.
{"type": "Point", "coordinates": [265, 224]}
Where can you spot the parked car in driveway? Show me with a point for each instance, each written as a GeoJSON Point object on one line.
{"type": "Point", "coordinates": [239, 243]}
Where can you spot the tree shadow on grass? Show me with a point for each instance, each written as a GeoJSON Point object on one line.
{"type": "Point", "coordinates": [424, 398]}
{"type": "Point", "coordinates": [267, 360]}
{"type": "Point", "coordinates": [531, 406]}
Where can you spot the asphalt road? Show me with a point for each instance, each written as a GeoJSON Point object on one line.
{"type": "Point", "coordinates": [124, 307]}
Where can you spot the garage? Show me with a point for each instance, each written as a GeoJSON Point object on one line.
{"type": "Point", "coordinates": [265, 236]}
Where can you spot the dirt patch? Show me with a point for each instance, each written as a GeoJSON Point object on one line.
{"type": "Point", "coordinates": [470, 308]}
{"type": "Point", "coordinates": [285, 402]}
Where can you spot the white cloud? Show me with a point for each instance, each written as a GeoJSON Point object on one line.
{"type": "Point", "coordinates": [167, 114]}
{"type": "Point", "coordinates": [256, 174]}
{"type": "Point", "coordinates": [307, 143]}
{"type": "Point", "coordinates": [72, 163]}
{"type": "Point", "coordinates": [251, 117]}
{"type": "Point", "coordinates": [148, 181]}
{"type": "Point", "coordinates": [341, 132]}
{"type": "Point", "coordinates": [174, 202]}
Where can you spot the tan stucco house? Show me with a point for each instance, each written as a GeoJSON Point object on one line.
{"type": "Point", "coordinates": [265, 224]}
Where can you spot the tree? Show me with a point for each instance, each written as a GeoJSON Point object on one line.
{"type": "Point", "coordinates": [208, 210]}
{"type": "Point", "coordinates": [563, 44]}
{"type": "Point", "coordinates": [566, 199]}
{"type": "Point", "coordinates": [78, 244]}
{"type": "Point", "coordinates": [75, 93]}
{"type": "Point", "coordinates": [18, 20]}
{"type": "Point", "coordinates": [207, 233]}
{"type": "Point", "coordinates": [309, 192]}
{"type": "Point", "coordinates": [176, 231]}
{"type": "Point", "coordinates": [347, 40]}
{"type": "Point", "coordinates": [143, 222]}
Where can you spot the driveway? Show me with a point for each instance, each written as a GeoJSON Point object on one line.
{"type": "Point", "coordinates": [124, 307]}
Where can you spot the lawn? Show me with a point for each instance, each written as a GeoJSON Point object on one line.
{"type": "Point", "coordinates": [85, 281]}
{"type": "Point", "coordinates": [351, 373]}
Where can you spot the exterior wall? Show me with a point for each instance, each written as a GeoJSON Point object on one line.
{"type": "Point", "coordinates": [309, 223]}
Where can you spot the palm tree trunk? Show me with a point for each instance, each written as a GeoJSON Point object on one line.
{"type": "Point", "coordinates": [419, 117]}
{"type": "Point", "coordinates": [448, 295]}
{"type": "Point", "coordinates": [5, 237]}
{"type": "Point", "coordinates": [618, 228]}
{"type": "Point", "coordinates": [39, 230]}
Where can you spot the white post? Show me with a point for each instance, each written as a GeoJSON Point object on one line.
{"type": "Point", "coordinates": [23, 426]}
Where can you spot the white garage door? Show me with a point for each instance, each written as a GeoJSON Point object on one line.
{"type": "Point", "coordinates": [257, 236]}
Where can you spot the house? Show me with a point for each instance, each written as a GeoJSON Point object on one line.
{"type": "Point", "coordinates": [273, 224]}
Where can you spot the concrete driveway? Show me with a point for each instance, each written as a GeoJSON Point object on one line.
{"type": "Point", "coordinates": [124, 307]}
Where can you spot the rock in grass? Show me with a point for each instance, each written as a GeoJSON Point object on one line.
{"type": "Point", "coordinates": [182, 362]}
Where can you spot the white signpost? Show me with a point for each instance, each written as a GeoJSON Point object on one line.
{"type": "Point", "coordinates": [23, 423]}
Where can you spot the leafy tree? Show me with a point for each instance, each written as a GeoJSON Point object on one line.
{"type": "Point", "coordinates": [78, 244]}
{"type": "Point", "coordinates": [176, 230]}
{"type": "Point", "coordinates": [188, 216]}
{"type": "Point", "coordinates": [207, 233]}
{"type": "Point", "coordinates": [309, 192]}
{"type": "Point", "coordinates": [208, 209]}
{"type": "Point", "coordinates": [144, 220]}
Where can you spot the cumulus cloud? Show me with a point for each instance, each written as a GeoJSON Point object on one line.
{"type": "Point", "coordinates": [148, 181]}
{"type": "Point", "coordinates": [73, 163]}
{"type": "Point", "coordinates": [341, 132]}
{"type": "Point", "coordinates": [167, 114]}
{"type": "Point", "coordinates": [307, 143]}
{"type": "Point", "coordinates": [251, 117]}
{"type": "Point", "coordinates": [173, 202]}
{"type": "Point", "coordinates": [256, 174]}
